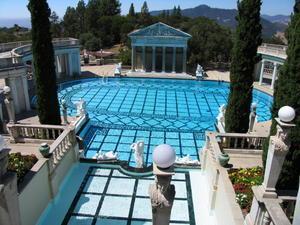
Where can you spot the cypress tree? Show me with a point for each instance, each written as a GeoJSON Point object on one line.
{"type": "Point", "coordinates": [244, 58]}
{"type": "Point", "coordinates": [131, 11]}
{"type": "Point", "coordinates": [43, 61]}
{"type": "Point", "coordinates": [145, 9]}
{"type": "Point", "coordinates": [287, 92]}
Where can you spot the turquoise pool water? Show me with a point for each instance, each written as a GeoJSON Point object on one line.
{"type": "Point", "coordinates": [176, 112]}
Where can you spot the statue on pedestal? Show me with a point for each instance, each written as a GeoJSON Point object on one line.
{"type": "Point", "coordinates": [199, 72]}
{"type": "Point", "coordinates": [9, 104]}
{"type": "Point", "coordinates": [64, 111]}
{"type": "Point", "coordinates": [252, 117]}
{"type": "Point", "coordinates": [138, 149]}
{"type": "Point", "coordinates": [221, 118]}
{"type": "Point", "coordinates": [81, 108]}
{"type": "Point", "coordinates": [118, 70]}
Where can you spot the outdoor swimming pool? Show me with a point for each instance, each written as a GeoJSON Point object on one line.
{"type": "Point", "coordinates": [125, 110]}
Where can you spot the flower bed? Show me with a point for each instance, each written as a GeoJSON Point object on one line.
{"type": "Point", "coordinates": [21, 164]}
{"type": "Point", "coordinates": [242, 181]}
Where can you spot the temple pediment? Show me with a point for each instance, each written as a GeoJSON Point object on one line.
{"type": "Point", "coordinates": [159, 30]}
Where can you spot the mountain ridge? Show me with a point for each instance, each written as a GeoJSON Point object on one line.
{"type": "Point", "coordinates": [226, 17]}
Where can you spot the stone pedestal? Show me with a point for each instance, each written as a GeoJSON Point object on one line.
{"type": "Point", "coordinates": [162, 195]}
{"type": "Point", "coordinates": [278, 148]}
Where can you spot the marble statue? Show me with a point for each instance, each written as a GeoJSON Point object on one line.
{"type": "Point", "coordinates": [106, 156]}
{"type": "Point", "coordinates": [186, 160]}
{"type": "Point", "coordinates": [199, 72]}
{"type": "Point", "coordinates": [138, 149]}
{"type": "Point", "coordinates": [81, 107]}
{"type": "Point", "coordinates": [64, 111]}
{"type": "Point", "coordinates": [9, 104]}
{"type": "Point", "coordinates": [252, 117]}
{"type": "Point", "coordinates": [118, 70]}
{"type": "Point", "coordinates": [221, 119]}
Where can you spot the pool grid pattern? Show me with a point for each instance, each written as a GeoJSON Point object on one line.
{"type": "Point", "coordinates": [125, 110]}
{"type": "Point", "coordinates": [101, 201]}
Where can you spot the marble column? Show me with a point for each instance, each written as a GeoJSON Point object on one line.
{"type": "Point", "coordinates": [174, 60]}
{"type": "Point", "coordinates": [184, 60]}
{"type": "Point", "coordinates": [261, 72]}
{"type": "Point", "coordinates": [274, 75]}
{"type": "Point", "coordinates": [144, 58]}
{"type": "Point", "coordinates": [70, 64]}
{"type": "Point", "coordinates": [25, 90]}
{"type": "Point", "coordinates": [153, 59]}
{"type": "Point", "coordinates": [164, 59]}
{"type": "Point", "coordinates": [133, 54]}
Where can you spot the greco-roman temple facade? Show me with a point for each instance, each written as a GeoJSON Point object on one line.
{"type": "Point", "coordinates": [272, 58]}
{"type": "Point", "coordinates": [159, 48]}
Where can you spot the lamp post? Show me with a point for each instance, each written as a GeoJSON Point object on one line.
{"type": "Point", "coordinates": [162, 193]}
{"type": "Point", "coordinates": [278, 148]}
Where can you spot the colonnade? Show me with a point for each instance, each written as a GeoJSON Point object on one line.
{"type": "Point", "coordinates": [159, 59]}
{"type": "Point", "coordinates": [269, 70]}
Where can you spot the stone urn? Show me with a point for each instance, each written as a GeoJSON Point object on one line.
{"type": "Point", "coordinates": [44, 149]}
{"type": "Point", "coordinates": [223, 159]}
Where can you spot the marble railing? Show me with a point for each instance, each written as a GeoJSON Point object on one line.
{"type": "Point", "coordinates": [65, 142]}
{"type": "Point", "coordinates": [60, 42]}
{"type": "Point", "coordinates": [240, 141]}
{"type": "Point", "coordinates": [31, 133]}
{"type": "Point", "coordinates": [274, 50]}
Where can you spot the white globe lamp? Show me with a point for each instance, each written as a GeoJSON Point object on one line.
{"type": "Point", "coordinates": [6, 89]}
{"type": "Point", "coordinates": [164, 156]}
{"type": "Point", "coordinates": [286, 114]}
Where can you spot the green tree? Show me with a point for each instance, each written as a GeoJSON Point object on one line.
{"type": "Point", "coordinates": [131, 11]}
{"type": "Point", "coordinates": [92, 16]}
{"type": "Point", "coordinates": [244, 58]}
{"type": "Point", "coordinates": [110, 7]}
{"type": "Point", "coordinates": [71, 23]}
{"type": "Point", "coordinates": [56, 28]}
{"type": "Point", "coordinates": [145, 9]}
{"type": "Point", "coordinates": [80, 11]}
{"type": "Point", "coordinates": [43, 61]}
{"type": "Point", "coordinates": [287, 93]}
{"type": "Point", "coordinates": [216, 43]}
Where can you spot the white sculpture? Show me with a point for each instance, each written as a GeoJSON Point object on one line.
{"type": "Point", "coordinates": [9, 104]}
{"type": "Point", "coordinates": [199, 72]}
{"type": "Point", "coordinates": [138, 149]}
{"type": "Point", "coordinates": [186, 160]}
{"type": "Point", "coordinates": [221, 119]}
{"type": "Point", "coordinates": [81, 107]}
{"type": "Point", "coordinates": [64, 111]}
{"type": "Point", "coordinates": [106, 156]}
{"type": "Point", "coordinates": [118, 70]}
{"type": "Point", "coordinates": [252, 117]}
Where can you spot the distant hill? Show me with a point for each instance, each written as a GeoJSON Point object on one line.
{"type": "Point", "coordinates": [278, 19]}
{"type": "Point", "coordinates": [23, 22]}
{"type": "Point", "coordinates": [226, 17]}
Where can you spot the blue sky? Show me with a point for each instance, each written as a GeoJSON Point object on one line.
{"type": "Point", "coordinates": [18, 9]}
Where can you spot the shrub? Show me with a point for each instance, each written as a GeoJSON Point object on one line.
{"type": "Point", "coordinates": [21, 164]}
